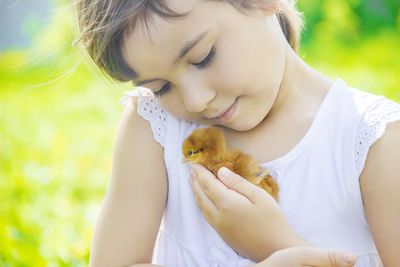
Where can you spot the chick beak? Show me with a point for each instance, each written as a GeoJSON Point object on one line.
{"type": "Point", "coordinates": [185, 160]}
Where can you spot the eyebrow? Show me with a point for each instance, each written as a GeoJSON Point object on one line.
{"type": "Point", "coordinates": [183, 51]}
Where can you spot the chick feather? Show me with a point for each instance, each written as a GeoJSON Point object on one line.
{"type": "Point", "coordinates": [207, 146]}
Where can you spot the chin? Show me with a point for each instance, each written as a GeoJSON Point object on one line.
{"type": "Point", "coordinates": [246, 124]}
{"type": "Point", "coordinates": [241, 126]}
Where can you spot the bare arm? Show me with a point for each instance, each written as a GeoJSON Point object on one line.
{"type": "Point", "coordinates": [130, 216]}
{"type": "Point", "coordinates": [380, 185]}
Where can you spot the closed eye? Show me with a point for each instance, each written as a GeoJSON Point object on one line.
{"type": "Point", "coordinates": [203, 64]}
{"type": "Point", "coordinates": [163, 90]}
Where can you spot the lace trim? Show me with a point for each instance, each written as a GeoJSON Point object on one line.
{"type": "Point", "coordinates": [372, 127]}
{"type": "Point", "coordinates": [151, 110]}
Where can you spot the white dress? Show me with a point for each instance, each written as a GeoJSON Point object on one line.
{"type": "Point", "coordinates": [318, 179]}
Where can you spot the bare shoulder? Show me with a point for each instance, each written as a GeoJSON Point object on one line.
{"type": "Point", "coordinates": [380, 183]}
{"type": "Point", "coordinates": [135, 131]}
{"type": "Point", "coordinates": [385, 151]}
{"type": "Point", "coordinates": [130, 216]}
{"type": "Point", "coordinates": [136, 151]}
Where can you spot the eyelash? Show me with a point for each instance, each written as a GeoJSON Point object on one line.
{"type": "Point", "coordinates": [203, 64]}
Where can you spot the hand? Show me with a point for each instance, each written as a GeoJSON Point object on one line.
{"type": "Point", "coordinates": [308, 256]}
{"type": "Point", "coordinates": [243, 214]}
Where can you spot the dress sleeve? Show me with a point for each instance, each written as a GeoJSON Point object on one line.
{"type": "Point", "coordinates": [372, 126]}
{"type": "Point", "coordinates": [151, 110]}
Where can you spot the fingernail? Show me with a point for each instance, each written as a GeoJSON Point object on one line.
{"type": "Point", "coordinates": [223, 172]}
{"type": "Point", "coordinates": [349, 258]}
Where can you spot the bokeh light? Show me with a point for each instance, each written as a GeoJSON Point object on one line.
{"type": "Point", "coordinates": [59, 116]}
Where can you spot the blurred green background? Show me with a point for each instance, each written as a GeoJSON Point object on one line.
{"type": "Point", "coordinates": [59, 116]}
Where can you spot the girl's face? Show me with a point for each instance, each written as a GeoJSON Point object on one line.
{"type": "Point", "coordinates": [209, 59]}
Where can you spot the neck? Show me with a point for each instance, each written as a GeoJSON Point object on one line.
{"type": "Point", "coordinates": [300, 84]}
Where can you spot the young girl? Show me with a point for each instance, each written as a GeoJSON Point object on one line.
{"type": "Point", "coordinates": [233, 64]}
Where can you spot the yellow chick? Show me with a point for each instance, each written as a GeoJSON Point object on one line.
{"type": "Point", "coordinates": [207, 146]}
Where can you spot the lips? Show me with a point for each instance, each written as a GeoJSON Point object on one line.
{"type": "Point", "coordinates": [228, 113]}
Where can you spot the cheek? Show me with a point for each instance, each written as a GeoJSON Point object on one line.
{"type": "Point", "coordinates": [229, 70]}
{"type": "Point", "coordinates": [266, 61]}
{"type": "Point", "coordinates": [173, 103]}
{"type": "Point", "coordinates": [272, 65]}
{"type": "Point", "coordinates": [250, 63]}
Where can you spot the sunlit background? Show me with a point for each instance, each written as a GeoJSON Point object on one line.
{"type": "Point", "coordinates": [58, 115]}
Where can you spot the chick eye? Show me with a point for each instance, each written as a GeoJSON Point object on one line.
{"type": "Point", "coordinates": [190, 152]}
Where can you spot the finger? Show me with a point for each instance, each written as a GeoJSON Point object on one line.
{"type": "Point", "coordinates": [203, 202]}
{"type": "Point", "coordinates": [239, 184]}
{"type": "Point", "coordinates": [320, 257]}
{"type": "Point", "coordinates": [214, 188]}
{"type": "Point", "coordinates": [310, 256]}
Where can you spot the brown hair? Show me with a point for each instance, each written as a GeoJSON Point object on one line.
{"type": "Point", "coordinates": [103, 23]}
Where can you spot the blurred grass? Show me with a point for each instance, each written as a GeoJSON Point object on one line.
{"type": "Point", "coordinates": [58, 124]}
{"type": "Point", "coordinates": [58, 119]}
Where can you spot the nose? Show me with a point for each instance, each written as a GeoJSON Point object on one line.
{"type": "Point", "coordinates": [196, 98]}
